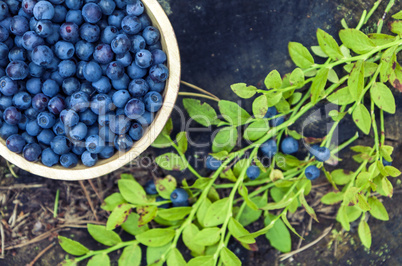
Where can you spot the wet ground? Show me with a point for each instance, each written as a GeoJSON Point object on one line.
{"type": "Point", "coordinates": [221, 43]}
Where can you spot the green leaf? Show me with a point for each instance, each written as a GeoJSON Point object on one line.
{"type": "Point", "coordinates": [383, 97]}
{"type": "Point", "coordinates": [308, 208]}
{"type": "Point", "coordinates": [102, 235]}
{"type": "Point", "coordinates": [356, 40]}
{"type": "Point", "coordinates": [388, 59]}
{"type": "Point", "coordinates": [341, 97]}
{"type": "Point", "coordinates": [171, 161]}
{"type": "Point", "coordinates": [332, 76]}
{"type": "Point", "coordinates": [318, 51]}
{"type": "Point", "coordinates": [72, 247]}
{"type": "Point", "coordinates": [118, 216]}
{"type": "Point", "coordinates": [260, 106]}
{"type": "Point", "coordinates": [395, 78]}
{"type": "Point", "coordinates": [273, 98]}
{"type": "Point", "coordinates": [99, 260]}
{"type": "Point", "coordinates": [174, 214]}
{"type": "Point", "coordinates": [362, 203]}
{"type": "Point", "coordinates": [189, 233]}
{"type": "Point", "coordinates": [216, 213]}
{"type": "Point", "coordinates": [127, 176]}
{"type": "Point", "coordinates": [341, 177]}
{"type": "Point", "coordinates": [156, 237]}
{"type": "Point", "coordinates": [243, 191]}
{"type": "Point", "coordinates": [300, 55]}
{"type": "Point", "coordinates": [112, 201]}
{"type": "Point", "coordinates": [396, 27]}
{"type": "Point", "coordinates": [207, 236]}
{"type": "Point", "coordinates": [256, 130]}
{"type": "Point", "coordinates": [132, 191]}
{"type": "Point", "coordinates": [278, 235]}
{"type": "Point", "coordinates": [353, 213]}
{"type": "Point", "coordinates": [364, 233]}
{"type": "Point", "coordinates": [283, 106]}
{"type": "Point", "coordinates": [329, 45]}
{"type": "Point", "coordinates": [181, 139]}
{"type": "Point", "coordinates": [286, 222]}
{"type": "Point", "coordinates": [202, 261]}
{"type": "Point", "coordinates": [233, 113]}
{"type": "Point", "coordinates": [239, 232]}
{"type": "Point", "coordinates": [249, 215]}
{"type": "Point", "coordinates": [203, 113]}
{"type": "Point", "coordinates": [174, 258]}
{"type": "Point", "coordinates": [296, 77]}
{"type": "Point", "coordinates": [225, 139]}
{"type": "Point", "coordinates": [381, 38]}
{"type": "Point", "coordinates": [131, 256]}
{"type": "Point", "coordinates": [162, 141]}
{"type": "Point", "coordinates": [397, 15]}
{"type": "Point", "coordinates": [273, 80]}
{"type": "Point", "coordinates": [229, 258]}
{"type": "Point", "coordinates": [201, 183]}
{"type": "Point", "coordinates": [377, 209]}
{"type": "Point", "coordinates": [147, 214]}
{"type": "Point", "coordinates": [342, 217]}
{"type": "Point", "coordinates": [387, 187]}
{"type": "Point", "coordinates": [154, 254]}
{"type": "Point", "coordinates": [165, 186]}
{"type": "Point", "coordinates": [131, 225]}
{"type": "Point", "coordinates": [332, 198]}
{"type": "Point", "coordinates": [392, 171]}
{"type": "Point", "coordinates": [318, 84]}
{"type": "Point", "coordinates": [295, 98]}
{"type": "Point", "coordinates": [243, 91]}
{"type": "Point", "coordinates": [362, 119]}
{"type": "Point", "coordinates": [356, 80]}
{"type": "Point", "coordinates": [202, 211]}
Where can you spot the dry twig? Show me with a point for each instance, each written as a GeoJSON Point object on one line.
{"type": "Point", "coordinates": [41, 254]}
{"type": "Point", "coordinates": [89, 199]}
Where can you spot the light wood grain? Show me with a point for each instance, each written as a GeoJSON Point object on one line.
{"type": "Point", "coordinates": [81, 172]}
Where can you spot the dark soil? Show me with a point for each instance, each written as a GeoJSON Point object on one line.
{"type": "Point", "coordinates": [221, 43]}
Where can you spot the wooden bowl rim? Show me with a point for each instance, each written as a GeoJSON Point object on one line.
{"type": "Point", "coordinates": [80, 172]}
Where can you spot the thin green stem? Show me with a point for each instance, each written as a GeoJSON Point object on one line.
{"type": "Point", "coordinates": [382, 127]}
{"type": "Point", "coordinates": [198, 95]}
{"type": "Point", "coordinates": [345, 144]}
{"type": "Point", "coordinates": [108, 250]}
{"type": "Point", "coordinates": [56, 204]}
{"type": "Point", "coordinates": [372, 10]}
{"type": "Point", "coordinates": [362, 20]}
{"type": "Point", "coordinates": [381, 21]}
{"type": "Point", "coordinates": [198, 89]}
{"type": "Point", "coordinates": [375, 130]}
{"type": "Point", "coordinates": [183, 157]}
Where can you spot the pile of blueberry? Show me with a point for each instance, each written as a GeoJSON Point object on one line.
{"type": "Point", "coordinates": [79, 79]}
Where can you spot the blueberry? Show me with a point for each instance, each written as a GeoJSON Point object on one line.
{"type": "Point", "coordinates": [155, 86]}
{"type": "Point", "coordinates": [3, 11]}
{"type": "Point", "coordinates": [121, 84]}
{"type": "Point", "coordinates": [74, 16]}
{"type": "Point", "coordinates": [28, 138]}
{"type": "Point", "coordinates": [58, 128]}
{"type": "Point", "coordinates": [43, 10]}
{"type": "Point", "coordinates": [30, 40]}
{"type": "Point", "coordinates": [31, 113]}
{"type": "Point", "coordinates": [123, 142]}
{"type": "Point", "coordinates": [89, 159]}
{"type": "Point", "coordinates": [150, 188]}
{"type": "Point", "coordinates": [94, 144]}
{"type": "Point", "coordinates": [136, 131]}
{"type": "Point", "coordinates": [11, 115]}
{"type": "Point", "coordinates": [108, 34]}
{"type": "Point", "coordinates": [102, 85]}
{"type": "Point", "coordinates": [159, 56]}
{"type": "Point", "coordinates": [45, 136]}
{"type": "Point", "coordinates": [120, 98]}
{"type": "Point", "coordinates": [79, 131]}
{"type": "Point", "coordinates": [138, 88]}
{"type": "Point", "coordinates": [134, 108]}
{"type": "Point", "coordinates": [289, 145]}
{"type": "Point", "coordinates": [28, 6]}
{"type": "Point", "coordinates": [22, 125]}
{"type": "Point", "coordinates": [146, 119]}
{"type": "Point", "coordinates": [31, 152]}
{"type": "Point", "coordinates": [19, 25]}
{"type": "Point", "coordinates": [321, 154]}
{"type": "Point", "coordinates": [253, 172]}
{"type": "Point", "coordinates": [92, 71]}
{"type": "Point", "coordinates": [69, 118]}
{"type": "Point", "coordinates": [49, 158]}
{"type": "Point", "coordinates": [50, 88]}
{"type": "Point", "coordinates": [44, 28]}
{"type": "Point", "coordinates": [33, 128]}
{"type": "Point", "coordinates": [22, 100]}
{"type": "Point", "coordinates": [131, 25]}
{"type": "Point", "coordinates": [5, 101]}
{"type": "Point", "coordinates": [151, 35]}
{"type": "Point", "coordinates": [135, 9]}
{"type": "Point", "coordinates": [159, 73]}
{"type": "Point", "coordinates": [60, 145]}
{"type": "Point", "coordinates": [115, 70]}
{"type": "Point", "coordinates": [91, 13]}
{"type": "Point", "coordinates": [101, 104]}
{"type": "Point", "coordinates": [121, 44]}
{"type": "Point", "coordinates": [136, 72]}
{"type": "Point", "coordinates": [179, 197]}
{"type": "Point", "coordinates": [115, 18]}
{"type": "Point", "coordinates": [153, 101]}
{"type": "Point", "coordinates": [269, 148]}
{"type": "Point", "coordinates": [69, 31]}
{"type": "Point", "coordinates": [46, 119]}
{"type": "Point", "coordinates": [40, 102]}
{"type": "Point", "coordinates": [84, 50]}
{"type": "Point", "coordinates": [79, 101]}
{"type": "Point", "coordinates": [143, 58]}
{"type": "Point", "coordinates": [107, 152]}
{"type": "Point", "coordinates": [312, 172]}
{"type": "Point", "coordinates": [7, 130]}
{"type": "Point", "coordinates": [80, 70]}
{"type": "Point", "coordinates": [4, 50]}
{"type": "Point", "coordinates": [277, 121]}
{"type": "Point", "coordinates": [64, 50]}
{"type": "Point", "coordinates": [35, 70]}
{"type": "Point", "coordinates": [271, 112]}
{"type": "Point", "coordinates": [68, 160]}
{"type": "Point", "coordinates": [56, 105]}
{"type": "Point", "coordinates": [103, 54]}
{"type": "Point", "coordinates": [70, 85]}
{"type": "Point", "coordinates": [42, 55]}
{"type": "Point", "coordinates": [125, 59]}
{"type": "Point", "coordinates": [137, 43]}
{"type": "Point", "coordinates": [74, 4]}
{"type": "Point", "coordinates": [3, 34]}
{"type": "Point", "coordinates": [145, 20]}
{"type": "Point", "coordinates": [67, 68]}
{"type": "Point", "coordinates": [107, 6]}
{"type": "Point", "coordinates": [17, 53]}
{"type": "Point", "coordinates": [106, 134]}
{"type": "Point", "coordinates": [8, 87]}
{"type": "Point", "coordinates": [89, 32]}
{"type": "Point", "coordinates": [119, 124]}
{"type": "Point", "coordinates": [17, 70]}
{"type": "Point", "coordinates": [212, 163]}
{"type": "Point", "coordinates": [163, 206]}
{"type": "Point", "coordinates": [88, 117]}
{"type": "Point", "coordinates": [15, 143]}
{"type": "Point", "coordinates": [60, 13]}
{"type": "Point", "coordinates": [386, 163]}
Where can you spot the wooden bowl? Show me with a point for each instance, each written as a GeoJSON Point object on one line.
{"type": "Point", "coordinates": [81, 172]}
